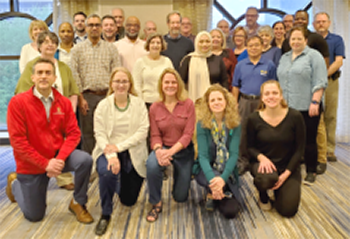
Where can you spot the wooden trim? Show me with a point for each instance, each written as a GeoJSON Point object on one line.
{"type": "Point", "coordinates": [7, 58]}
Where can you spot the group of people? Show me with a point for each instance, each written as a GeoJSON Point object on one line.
{"type": "Point", "coordinates": [212, 105]}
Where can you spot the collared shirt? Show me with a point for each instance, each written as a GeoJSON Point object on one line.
{"type": "Point", "coordinates": [301, 77]}
{"type": "Point", "coordinates": [65, 56]}
{"type": "Point", "coordinates": [314, 41]}
{"type": "Point", "coordinates": [78, 39]}
{"type": "Point", "coordinates": [336, 46]}
{"type": "Point", "coordinates": [92, 65]}
{"type": "Point", "coordinates": [130, 51]}
{"type": "Point", "coordinates": [47, 102]}
{"type": "Point", "coordinates": [168, 128]}
{"type": "Point", "coordinates": [249, 77]}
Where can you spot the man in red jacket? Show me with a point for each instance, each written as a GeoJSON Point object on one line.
{"type": "Point", "coordinates": [44, 134]}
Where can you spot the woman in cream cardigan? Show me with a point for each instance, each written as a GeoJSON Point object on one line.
{"type": "Point", "coordinates": [121, 127]}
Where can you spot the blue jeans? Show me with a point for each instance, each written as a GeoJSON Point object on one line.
{"type": "Point", "coordinates": [182, 162]}
{"type": "Point", "coordinates": [30, 190]}
{"type": "Point", "coordinates": [130, 184]}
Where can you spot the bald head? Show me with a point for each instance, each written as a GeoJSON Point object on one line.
{"type": "Point", "coordinates": [118, 15]}
{"type": "Point", "coordinates": [224, 26]}
{"type": "Point", "coordinates": [132, 27]}
{"type": "Point", "coordinates": [66, 33]}
{"type": "Point", "coordinates": [150, 27]}
{"type": "Point", "coordinates": [186, 26]}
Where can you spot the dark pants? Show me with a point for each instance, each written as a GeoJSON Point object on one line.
{"type": "Point", "coordinates": [131, 183]}
{"type": "Point", "coordinates": [228, 207]}
{"type": "Point", "coordinates": [287, 196]}
{"type": "Point", "coordinates": [86, 122]}
{"type": "Point", "coordinates": [246, 107]}
{"type": "Point", "coordinates": [310, 155]}
{"type": "Point", "coordinates": [182, 162]}
{"type": "Point", "coordinates": [30, 190]}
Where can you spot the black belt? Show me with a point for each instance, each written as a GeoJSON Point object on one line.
{"type": "Point", "coordinates": [249, 97]}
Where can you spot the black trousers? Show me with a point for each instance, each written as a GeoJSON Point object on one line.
{"type": "Point", "coordinates": [311, 153]}
{"type": "Point", "coordinates": [287, 197]}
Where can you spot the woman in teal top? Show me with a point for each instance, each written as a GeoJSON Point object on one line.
{"type": "Point", "coordinates": [218, 134]}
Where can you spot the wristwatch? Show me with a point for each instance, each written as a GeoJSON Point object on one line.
{"type": "Point", "coordinates": [315, 102]}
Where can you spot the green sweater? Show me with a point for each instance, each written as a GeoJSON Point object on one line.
{"type": "Point", "coordinates": [205, 156]}
{"type": "Point", "coordinates": [68, 83]}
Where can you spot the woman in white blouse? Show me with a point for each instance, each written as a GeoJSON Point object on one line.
{"type": "Point", "coordinates": [30, 51]}
{"type": "Point", "coordinates": [147, 69]}
{"type": "Point", "coordinates": [121, 127]}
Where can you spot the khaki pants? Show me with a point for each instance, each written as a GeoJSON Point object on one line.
{"type": "Point", "coordinates": [64, 179]}
{"type": "Point", "coordinates": [330, 113]}
{"type": "Point", "coordinates": [321, 141]}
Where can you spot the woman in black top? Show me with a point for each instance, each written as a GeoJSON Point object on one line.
{"type": "Point", "coordinates": [201, 68]}
{"type": "Point", "coordinates": [276, 142]}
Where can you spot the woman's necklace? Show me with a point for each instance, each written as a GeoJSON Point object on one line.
{"type": "Point", "coordinates": [122, 109]}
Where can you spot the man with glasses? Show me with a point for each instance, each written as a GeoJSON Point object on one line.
{"type": "Point", "coordinates": [250, 74]}
{"type": "Point", "coordinates": [131, 47]}
{"type": "Point", "coordinates": [92, 63]}
{"type": "Point", "coordinates": [251, 17]}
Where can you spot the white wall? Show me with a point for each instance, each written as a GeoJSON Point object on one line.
{"type": "Point", "coordinates": [155, 10]}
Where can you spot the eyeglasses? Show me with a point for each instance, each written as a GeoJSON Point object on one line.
{"type": "Point", "coordinates": [121, 82]}
{"type": "Point", "coordinates": [251, 15]}
{"type": "Point", "coordinates": [97, 25]}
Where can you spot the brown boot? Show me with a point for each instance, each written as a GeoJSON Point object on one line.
{"type": "Point", "coordinates": [80, 212]}
{"type": "Point", "coordinates": [10, 178]}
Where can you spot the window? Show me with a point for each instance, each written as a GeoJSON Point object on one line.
{"type": "Point", "coordinates": [14, 34]}
{"type": "Point", "coordinates": [272, 12]}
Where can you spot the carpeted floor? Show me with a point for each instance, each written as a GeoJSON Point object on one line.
{"type": "Point", "coordinates": [324, 212]}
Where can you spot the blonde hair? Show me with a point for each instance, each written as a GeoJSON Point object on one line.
{"type": "Point", "coordinates": [36, 23]}
{"type": "Point", "coordinates": [181, 92]}
{"type": "Point", "coordinates": [223, 44]}
{"type": "Point", "coordinates": [128, 74]}
{"type": "Point", "coordinates": [262, 105]}
{"type": "Point", "coordinates": [205, 116]}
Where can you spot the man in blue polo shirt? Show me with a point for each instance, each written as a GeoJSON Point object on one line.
{"type": "Point", "coordinates": [249, 75]}
{"type": "Point", "coordinates": [336, 54]}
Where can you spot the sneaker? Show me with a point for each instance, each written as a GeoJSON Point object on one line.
{"type": "Point", "coordinates": [310, 179]}
{"type": "Point", "coordinates": [265, 206]}
{"type": "Point", "coordinates": [331, 157]}
{"type": "Point", "coordinates": [10, 178]}
{"type": "Point", "coordinates": [321, 168]}
{"type": "Point", "coordinates": [209, 204]}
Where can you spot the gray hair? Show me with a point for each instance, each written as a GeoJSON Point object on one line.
{"type": "Point", "coordinates": [94, 15]}
{"type": "Point", "coordinates": [266, 28]}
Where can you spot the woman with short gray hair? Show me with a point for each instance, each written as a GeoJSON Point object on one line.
{"type": "Point", "coordinates": [269, 52]}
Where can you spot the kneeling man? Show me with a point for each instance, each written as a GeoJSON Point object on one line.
{"type": "Point", "coordinates": [44, 134]}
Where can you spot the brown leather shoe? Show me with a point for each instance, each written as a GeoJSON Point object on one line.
{"type": "Point", "coordinates": [80, 212]}
{"type": "Point", "coordinates": [68, 187]}
{"type": "Point", "coordinates": [12, 176]}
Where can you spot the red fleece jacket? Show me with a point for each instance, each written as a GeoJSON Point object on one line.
{"type": "Point", "coordinates": [36, 139]}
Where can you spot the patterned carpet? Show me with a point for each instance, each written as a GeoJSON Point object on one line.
{"type": "Point", "coordinates": [324, 212]}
